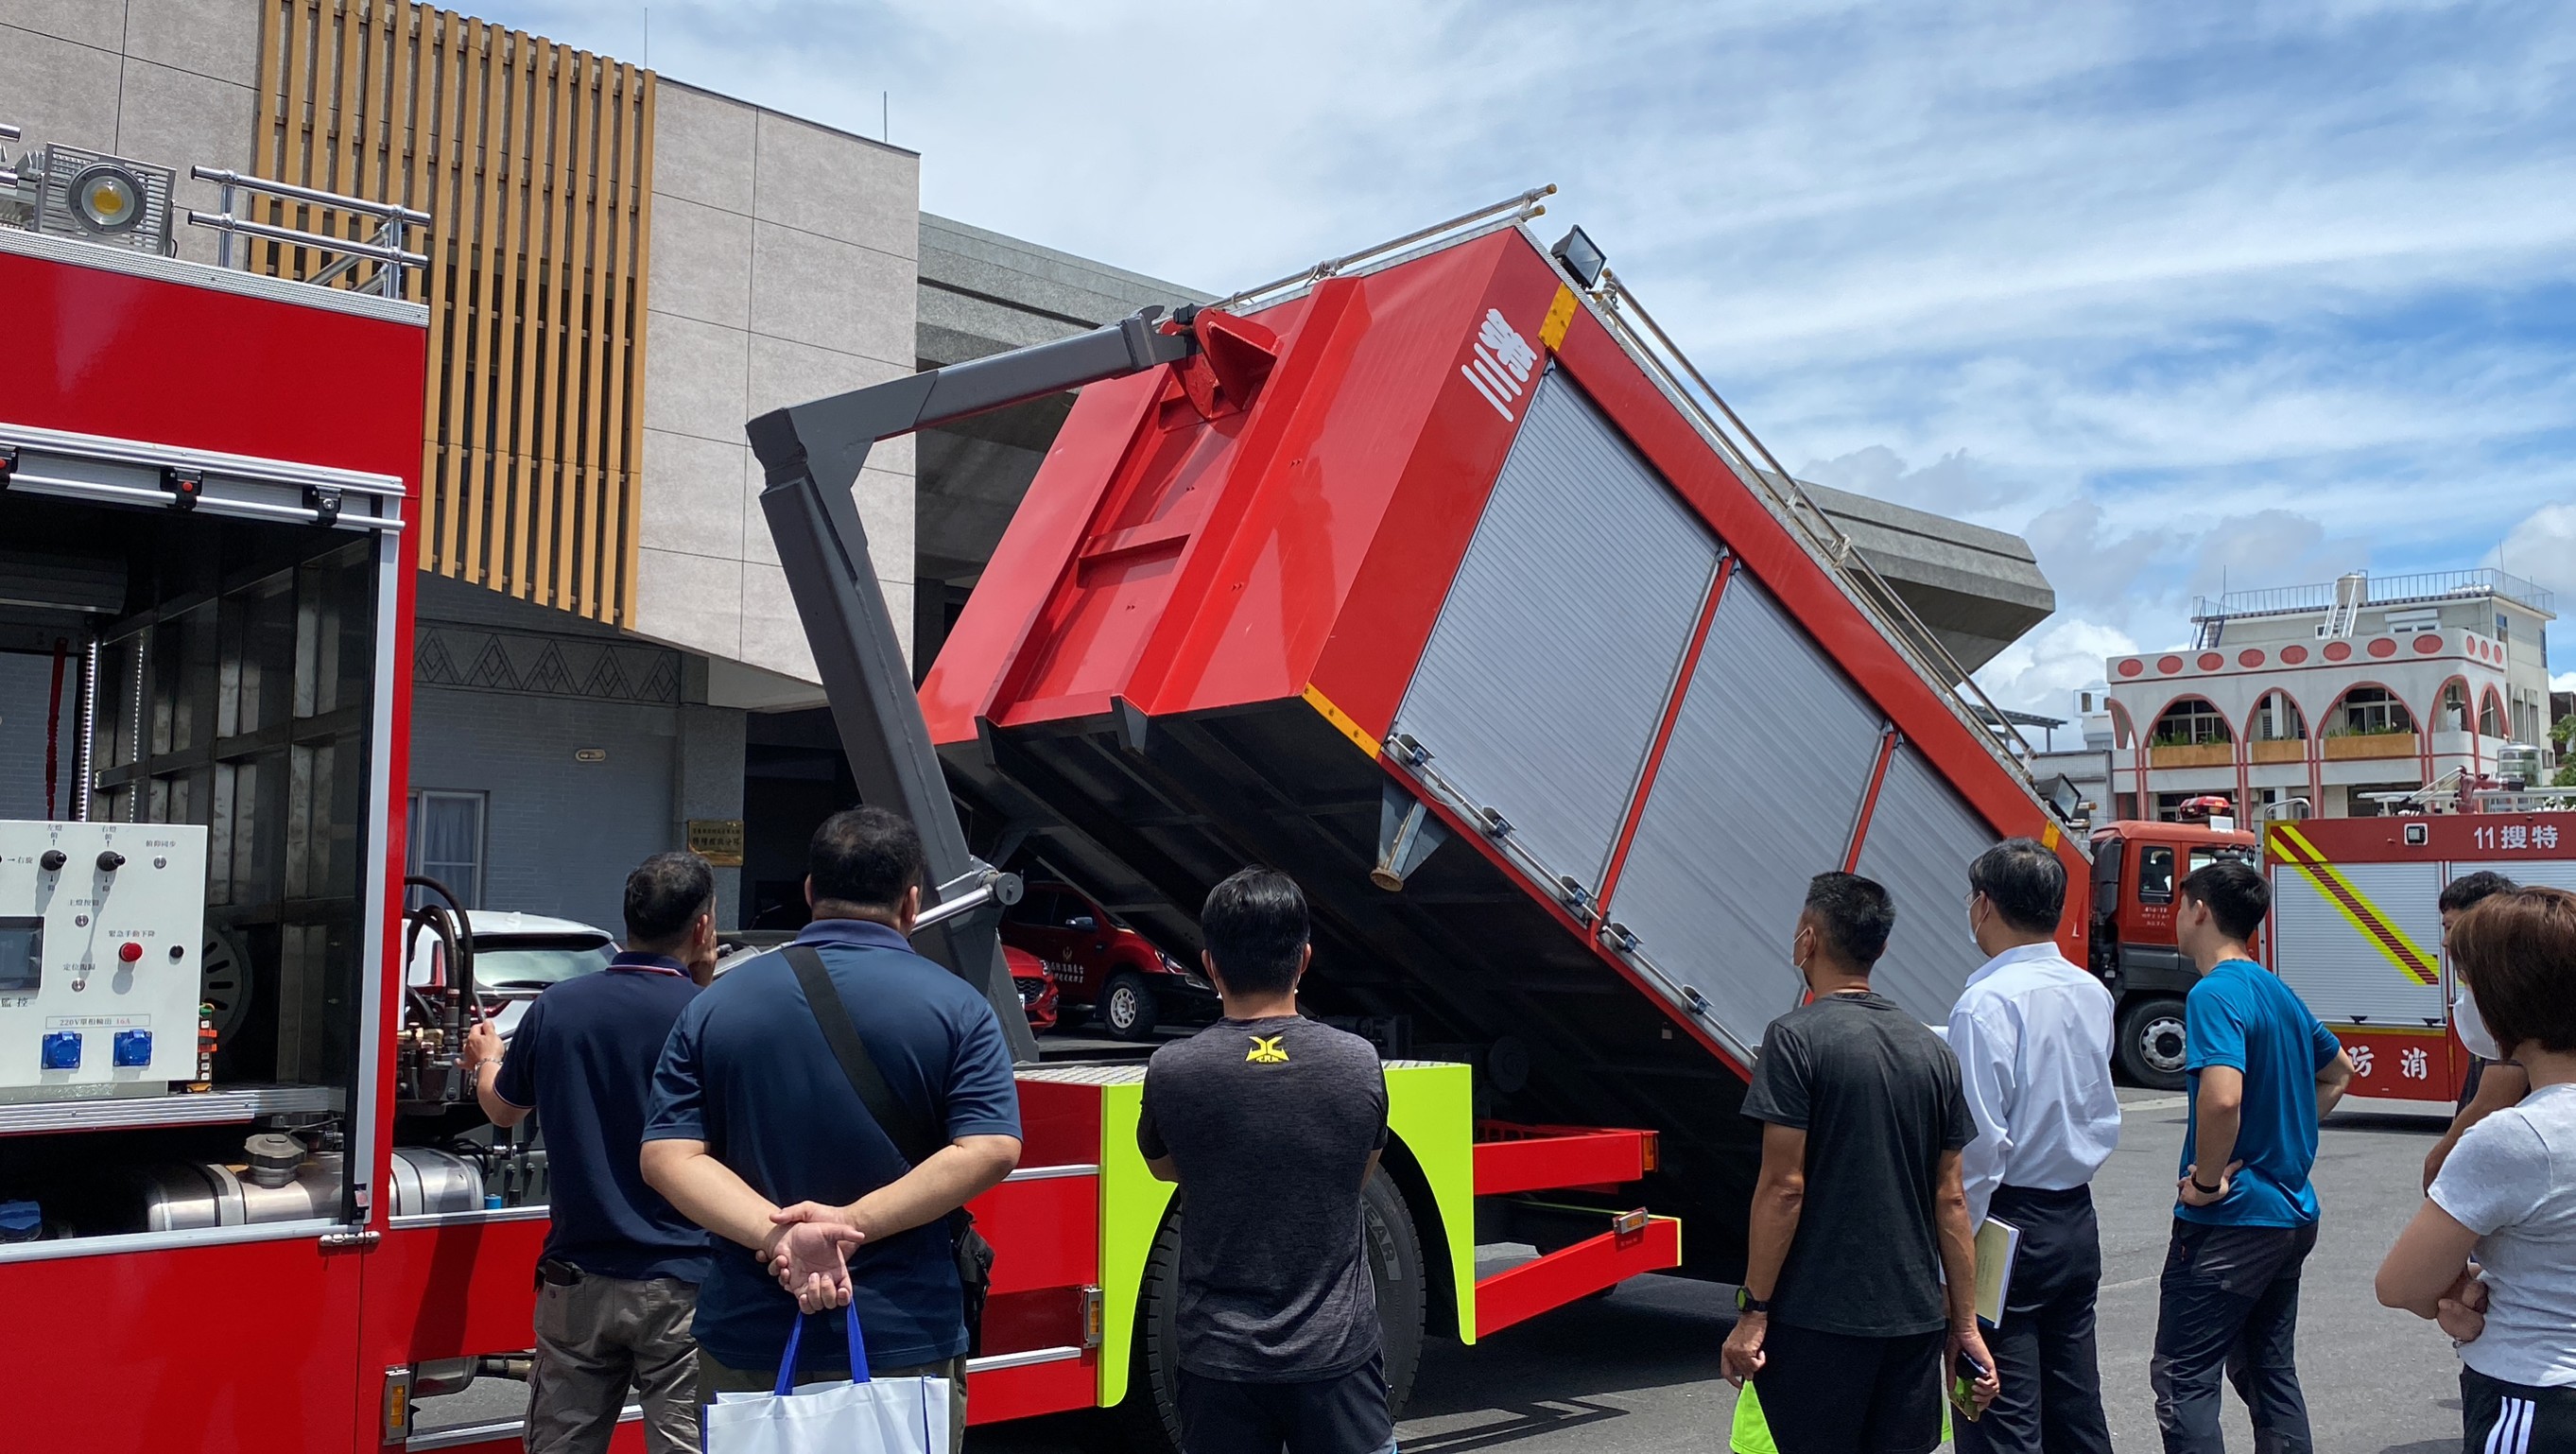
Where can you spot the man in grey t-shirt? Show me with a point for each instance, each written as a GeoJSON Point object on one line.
{"type": "Point", "coordinates": [1270, 1123]}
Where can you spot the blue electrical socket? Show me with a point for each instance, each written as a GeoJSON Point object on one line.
{"type": "Point", "coordinates": [62, 1050]}
{"type": "Point", "coordinates": [133, 1048]}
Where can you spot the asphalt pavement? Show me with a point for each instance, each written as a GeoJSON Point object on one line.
{"type": "Point", "coordinates": [1637, 1372]}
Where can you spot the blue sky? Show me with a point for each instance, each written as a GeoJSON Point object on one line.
{"type": "Point", "coordinates": [2185, 293]}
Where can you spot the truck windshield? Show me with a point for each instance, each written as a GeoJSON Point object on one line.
{"type": "Point", "coordinates": [2227, 853]}
{"type": "Point", "coordinates": [524, 964]}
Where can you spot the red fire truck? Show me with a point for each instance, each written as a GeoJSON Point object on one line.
{"type": "Point", "coordinates": [2357, 930]}
{"type": "Point", "coordinates": [1433, 575]}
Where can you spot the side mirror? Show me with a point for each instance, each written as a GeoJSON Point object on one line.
{"type": "Point", "coordinates": [1083, 922]}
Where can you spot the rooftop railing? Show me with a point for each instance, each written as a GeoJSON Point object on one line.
{"type": "Point", "coordinates": [2384, 591]}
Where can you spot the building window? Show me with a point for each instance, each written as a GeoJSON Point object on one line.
{"type": "Point", "coordinates": [2491, 715]}
{"type": "Point", "coordinates": [2277, 719]}
{"type": "Point", "coordinates": [2453, 713]}
{"type": "Point", "coordinates": [2371, 712]}
{"type": "Point", "coordinates": [2504, 627]}
{"type": "Point", "coordinates": [2155, 875]}
{"type": "Point", "coordinates": [2190, 723]}
{"type": "Point", "coordinates": [445, 842]}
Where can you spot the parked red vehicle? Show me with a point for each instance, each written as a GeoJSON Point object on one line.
{"type": "Point", "coordinates": [1037, 987]}
{"type": "Point", "coordinates": [1100, 964]}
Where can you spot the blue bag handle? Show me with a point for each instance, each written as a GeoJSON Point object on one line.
{"type": "Point", "coordinates": [796, 1334]}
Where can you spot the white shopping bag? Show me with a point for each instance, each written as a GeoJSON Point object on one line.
{"type": "Point", "coordinates": [863, 1416]}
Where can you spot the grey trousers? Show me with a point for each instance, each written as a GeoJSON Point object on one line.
{"type": "Point", "coordinates": [595, 1339]}
{"type": "Point", "coordinates": [715, 1378]}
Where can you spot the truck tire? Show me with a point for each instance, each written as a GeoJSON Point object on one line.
{"type": "Point", "coordinates": [1127, 1008]}
{"type": "Point", "coordinates": [1151, 1414]}
{"type": "Point", "coordinates": [2150, 1046]}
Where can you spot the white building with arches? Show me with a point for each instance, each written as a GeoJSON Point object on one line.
{"type": "Point", "coordinates": [2333, 693]}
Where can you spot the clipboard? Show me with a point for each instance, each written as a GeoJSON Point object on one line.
{"type": "Point", "coordinates": [1998, 1244]}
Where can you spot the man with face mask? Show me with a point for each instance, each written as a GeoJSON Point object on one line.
{"type": "Point", "coordinates": [2033, 1037]}
{"type": "Point", "coordinates": [1860, 1281]}
{"type": "Point", "coordinates": [2494, 1082]}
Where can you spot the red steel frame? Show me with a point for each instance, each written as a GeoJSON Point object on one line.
{"type": "Point", "coordinates": [1516, 1159]}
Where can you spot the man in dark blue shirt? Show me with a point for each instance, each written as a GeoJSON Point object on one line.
{"type": "Point", "coordinates": [618, 1279]}
{"type": "Point", "coordinates": [2263, 1073]}
{"type": "Point", "coordinates": [757, 1134]}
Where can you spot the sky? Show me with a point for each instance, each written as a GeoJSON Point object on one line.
{"type": "Point", "coordinates": [2191, 296]}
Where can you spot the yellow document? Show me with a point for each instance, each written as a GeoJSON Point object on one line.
{"type": "Point", "coordinates": [1998, 1242]}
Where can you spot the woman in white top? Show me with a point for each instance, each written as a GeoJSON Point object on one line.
{"type": "Point", "coordinates": [2507, 1194]}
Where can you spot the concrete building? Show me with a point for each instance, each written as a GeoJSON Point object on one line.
{"type": "Point", "coordinates": [622, 270]}
{"type": "Point", "coordinates": [2344, 695]}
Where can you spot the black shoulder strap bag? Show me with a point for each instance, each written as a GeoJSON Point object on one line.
{"type": "Point", "coordinates": [913, 1137]}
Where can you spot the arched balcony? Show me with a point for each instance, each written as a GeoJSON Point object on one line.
{"type": "Point", "coordinates": [2369, 721]}
{"type": "Point", "coordinates": [2191, 733]}
{"type": "Point", "coordinates": [2278, 730]}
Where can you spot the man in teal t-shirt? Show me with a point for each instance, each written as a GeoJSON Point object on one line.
{"type": "Point", "coordinates": [2263, 1072]}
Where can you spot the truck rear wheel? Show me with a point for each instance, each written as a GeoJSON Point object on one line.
{"type": "Point", "coordinates": [1151, 1413]}
{"type": "Point", "coordinates": [1127, 1008]}
{"type": "Point", "coordinates": [2150, 1046]}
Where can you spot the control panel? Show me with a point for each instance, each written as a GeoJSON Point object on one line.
{"type": "Point", "coordinates": [101, 931]}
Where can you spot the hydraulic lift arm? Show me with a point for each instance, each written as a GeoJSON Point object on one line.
{"type": "Point", "coordinates": [810, 455]}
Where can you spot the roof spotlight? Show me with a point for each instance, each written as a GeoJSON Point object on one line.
{"type": "Point", "coordinates": [107, 197]}
{"type": "Point", "coordinates": [112, 200]}
{"type": "Point", "coordinates": [1581, 257]}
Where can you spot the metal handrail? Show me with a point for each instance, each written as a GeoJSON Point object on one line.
{"type": "Point", "coordinates": [1520, 208]}
{"type": "Point", "coordinates": [386, 248]}
{"type": "Point", "coordinates": [224, 177]}
{"type": "Point", "coordinates": [1824, 539]}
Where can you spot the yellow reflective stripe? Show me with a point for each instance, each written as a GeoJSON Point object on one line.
{"type": "Point", "coordinates": [1560, 317]}
{"type": "Point", "coordinates": [2375, 927]}
{"type": "Point", "coordinates": [1341, 721]}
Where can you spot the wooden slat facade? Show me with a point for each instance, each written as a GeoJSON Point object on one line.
{"type": "Point", "coordinates": [535, 163]}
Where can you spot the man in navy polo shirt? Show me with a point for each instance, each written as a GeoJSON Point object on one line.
{"type": "Point", "coordinates": [618, 1279]}
{"type": "Point", "coordinates": [757, 1135]}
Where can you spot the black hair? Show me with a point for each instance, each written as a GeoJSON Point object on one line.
{"type": "Point", "coordinates": [1853, 916]}
{"type": "Point", "coordinates": [2517, 950]}
{"type": "Point", "coordinates": [2024, 881]}
{"type": "Point", "coordinates": [664, 895]}
{"type": "Point", "coordinates": [865, 858]}
{"type": "Point", "coordinates": [1256, 929]}
{"type": "Point", "coordinates": [2235, 893]}
{"type": "Point", "coordinates": [2471, 889]}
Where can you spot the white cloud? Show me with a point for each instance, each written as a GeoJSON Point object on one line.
{"type": "Point", "coordinates": [2565, 681]}
{"type": "Point", "coordinates": [2542, 550]}
{"type": "Point", "coordinates": [2042, 671]}
{"type": "Point", "coordinates": [2185, 293]}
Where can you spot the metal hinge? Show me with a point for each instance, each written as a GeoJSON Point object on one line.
{"type": "Point", "coordinates": [355, 1238]}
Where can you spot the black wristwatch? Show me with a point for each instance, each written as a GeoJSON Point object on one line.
{"type": "Point", "coordinates": [2207, 1191]}
{"type": "Point", "coordinates": [1746, 1302]}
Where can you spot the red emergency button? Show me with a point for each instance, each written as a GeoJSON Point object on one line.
{"type": "Point", "coordinates": [130, 951]}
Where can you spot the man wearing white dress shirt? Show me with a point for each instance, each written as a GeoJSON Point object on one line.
{"type": "Point", "coordinates": [2033, 1037]}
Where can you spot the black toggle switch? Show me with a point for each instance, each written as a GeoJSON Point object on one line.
{"type": "Point", "coordinates": [109, 860]}
{"type": "Point", "coordinates": [53, 860]}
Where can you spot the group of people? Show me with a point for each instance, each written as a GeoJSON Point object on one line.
{"type": "Point", "coordinates": [830, 1108]}
{"type": "Point", "coordinates": [1887, 1147]}
{"type": "Point", "coordinates": [730, 1155]}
